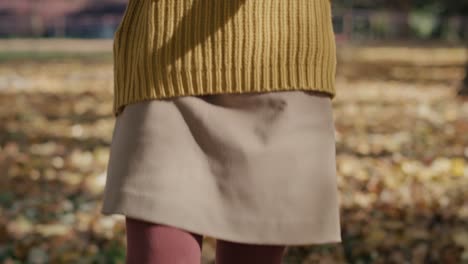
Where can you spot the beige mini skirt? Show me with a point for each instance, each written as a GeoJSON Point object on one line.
{"type": "Point", "coordinates": [254, 168]}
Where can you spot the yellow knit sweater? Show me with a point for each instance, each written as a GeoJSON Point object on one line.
{"type": "Point", "coordinates": [166, 48]}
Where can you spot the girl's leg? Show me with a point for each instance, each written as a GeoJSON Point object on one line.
{"type": "Point", "coordinates": [230, 252]}
{"type": "Point", "coordinates": [156, 243]}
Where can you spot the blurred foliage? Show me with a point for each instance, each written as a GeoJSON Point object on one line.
{"type": "Point", "coordinates": [402, 160]}
{"type": "Point", "coordinates": [402, 20]}
{"type": "Point", "coordinates": [448, 7]}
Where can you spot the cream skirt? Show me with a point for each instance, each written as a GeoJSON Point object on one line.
{"type": "Point", "coordinates": [252, 168]}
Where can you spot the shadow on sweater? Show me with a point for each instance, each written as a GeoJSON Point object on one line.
{"type": "Point", "coordinates": [205, 11]}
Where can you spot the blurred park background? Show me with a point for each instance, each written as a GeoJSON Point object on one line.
{"type": "Point", "coordinates": [401, 116]}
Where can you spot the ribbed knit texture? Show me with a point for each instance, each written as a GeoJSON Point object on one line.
{"type": "Point", "coordinates": [166, 48]}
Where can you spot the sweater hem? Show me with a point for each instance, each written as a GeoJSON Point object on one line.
{"type": "Point", "coordinates": [118, 108]}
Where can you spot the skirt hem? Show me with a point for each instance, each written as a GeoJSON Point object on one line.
{"type": "Point", "coordinates": [287, 232]}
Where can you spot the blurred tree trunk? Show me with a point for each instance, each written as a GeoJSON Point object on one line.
{"type": "Point", "coordinates": [405, 7]}
{"type": "Point", "coordinates": [37, 21]}
{"type": "Point", "coordinates": [464, 86]}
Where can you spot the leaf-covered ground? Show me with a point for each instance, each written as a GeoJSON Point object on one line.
{"type": "Point", "coordinates": [402, 162]}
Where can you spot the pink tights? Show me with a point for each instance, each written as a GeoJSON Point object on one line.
{"type": "Point", "coordinates": [160, 244]}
